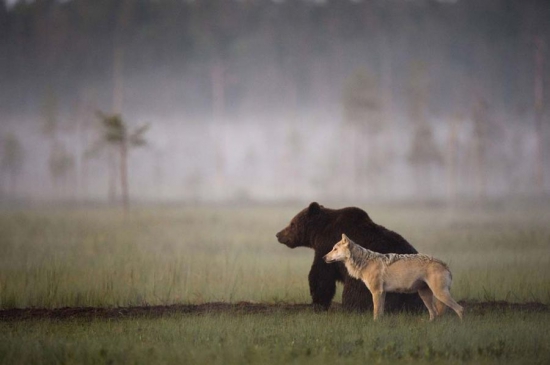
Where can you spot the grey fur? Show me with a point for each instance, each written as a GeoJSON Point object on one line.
{"type": "Point", "coordinates": [428, 276]}
{"type": "Point", "coordinates": [360, 256]}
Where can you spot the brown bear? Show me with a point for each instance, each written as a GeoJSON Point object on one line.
{"type": "Point", "coordinates": [320, 228]}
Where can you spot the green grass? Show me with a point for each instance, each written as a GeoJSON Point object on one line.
{"type": "Point", "coordinates": [96, 257]}
{"type": "Point", "coordinates": [305, 338]}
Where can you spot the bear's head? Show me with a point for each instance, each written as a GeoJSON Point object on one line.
{"type": "Point", "coordinates": [297, 233]}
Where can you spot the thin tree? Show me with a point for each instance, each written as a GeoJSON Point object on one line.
{"type": "Point", "coordinates": [424, 155]}
{"type": "Point", "coordinates": [452, 159]}
{"type": "Point", "coordinates": [61, 164]}
{"type": "Point", "coordinates": [50, 129]}
{"type": "Point", "coordinates": [480, 142]}
{"type": "Point", "coordinates": [364, 120]}
{"type": "Point", "coordinates": [539, 112]}
{"type": "Point", "coordinates": [117, 134]}
{"type": "Point", "coordinates": [12, 160]}
{"type": "Point", "coordinates": [425, 158]}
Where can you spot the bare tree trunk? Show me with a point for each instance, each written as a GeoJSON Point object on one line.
{"type": "Point", "coordinates": [388, 115]}
{"type": "Point", "coordinates": [218, 111]}
{"type": "Point", "coordinates": [321, 86]}
{"type": "Point", "coordinates": [479, 169]}
{"type": "Point", "coordinates": [218, 87]}
{"type": "Point", "coordinates": [121, 26]}
{"type": "Point", "coordinates": [118, 80]}
{"type": "Point", "coordinates": [86, 107]}
{"type": "Point", "coordinates": [159, 176]}
{"type": "Point", "coordinates": [452, 163]}
{"type": "Point", "coordinates": [124, 175]}
{"type": "Point", "coordinates": [79, 116]}
{"type": "Point", "coordinates": [84, 179]}
{"type": "Point", "coordinates": [479, 146]}
{"type": "Point", "coordinates": [539, 111]}
{"type": "Point", "coordinates": [386, 79]}
{"type": "Point", "coordinates": [118, 90]}
{"type": "Point", "coordinates": [118, 94]}
{"type": "Point", "coordinates": [111, 161]}
{"type": "Point", "coordinates": [13, 184]}
{"type": "Point", "coordinates": [351, 134]}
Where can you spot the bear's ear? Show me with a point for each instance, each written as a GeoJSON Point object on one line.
{"type": "Point", "coordinates": [314, 208]}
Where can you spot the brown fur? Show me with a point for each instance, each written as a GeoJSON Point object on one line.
{"type": "Point", "coordinates": [412, 273]}
{"type": "Point", "coordinates": [318, 227]}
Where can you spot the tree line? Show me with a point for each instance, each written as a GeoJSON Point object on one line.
{"type": "Point", "coordinates": [374, 60]}
{"type": "Point", "coordinates": [236, 55]}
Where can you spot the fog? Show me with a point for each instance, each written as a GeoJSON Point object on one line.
{"type": "Point", "coordinates": [274, 101]}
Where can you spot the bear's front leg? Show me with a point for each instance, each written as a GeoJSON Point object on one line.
{"type": "Point", "coordinates": [322, 283]}
{"type": "Point", "coordinates": [356, 296]}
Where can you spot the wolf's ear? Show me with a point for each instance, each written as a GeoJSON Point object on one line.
{"type": "Point", "coordinates": [345, 239]}
{"type": "Point", "coordinates": [314, 208]}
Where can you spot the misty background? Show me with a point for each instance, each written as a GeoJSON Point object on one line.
{"type": "Point", "coordinates": [259, 100]}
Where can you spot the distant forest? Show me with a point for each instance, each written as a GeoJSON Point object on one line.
{"type": "Point", "coordinates": [229, 57]}
{"type": "Point", "coordinates": [272, 99]}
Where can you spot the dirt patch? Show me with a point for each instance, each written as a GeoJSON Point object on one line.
{"type": "Point", "coordinates": [17, 314]}
{"type": "Point", "coordinates": [148, 311]}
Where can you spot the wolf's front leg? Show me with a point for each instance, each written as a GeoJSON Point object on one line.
{"type": "Point", "coordinates": [378, 299]}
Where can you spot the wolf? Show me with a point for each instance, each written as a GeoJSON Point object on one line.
{"type": "Point", "coordinates": [402, 273]}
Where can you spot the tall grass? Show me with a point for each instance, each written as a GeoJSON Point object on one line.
{"type": "Point", "coordinates": [96, 257]}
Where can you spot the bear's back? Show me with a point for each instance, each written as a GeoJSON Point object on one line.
{"type": "Point", "coordinates": [358, 226]}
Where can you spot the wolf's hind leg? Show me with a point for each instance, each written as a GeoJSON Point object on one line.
{"type": "Point", "coordinates": [427, 297]}
{"type": "Point", "coordinates": [444, 296]}
{"type": "Point", "coordinates": [440, 307]}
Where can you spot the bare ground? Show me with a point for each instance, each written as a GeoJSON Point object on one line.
{"type": "Point", "coordinates": [17, 314]}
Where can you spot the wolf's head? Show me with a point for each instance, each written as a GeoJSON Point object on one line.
{"type": "Point", "coordinates": [340, 251]}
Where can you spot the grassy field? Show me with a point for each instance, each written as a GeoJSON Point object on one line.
{"type": "Point", "coordinates": [175, 255]}
{"type": "Point", "coordinates": [304, 338]}
{"type": "Point", "coordinates": [95, 257]}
